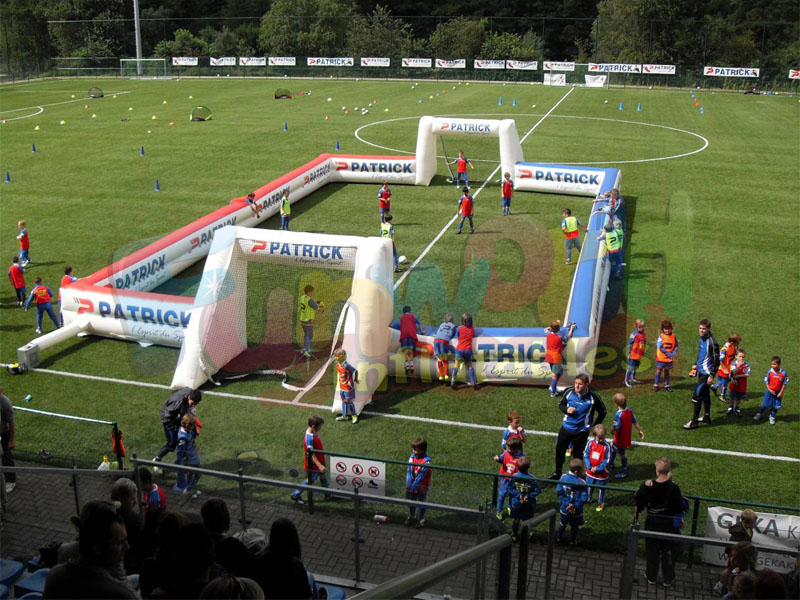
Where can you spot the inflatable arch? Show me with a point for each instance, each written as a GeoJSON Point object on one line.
{"type": "Point", "coordinates": [117, 301]}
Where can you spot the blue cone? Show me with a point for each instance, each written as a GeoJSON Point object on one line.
{"type": "Point", "coordinates": [158, 187]}
{"type": "Point", "coordinates": [500, 102]}
{"type": "Point", "coordinates": [639, 107]}
{"type": "Point", "coordinates": [514, 103]}
{"type": "Point", "coordinates": [337, 144]}
{"type": "Point", "coordinates": [8, 177]}
{"type": "Point", "coordinates": [141, 151]}
{"type": "Point", "coordinates": [33, 147]}
{"type": "Point", "coordinates": [285, 126]}
{"type": "Point", "coordinates": [702, 110]}
{"type": "Point", "coordinates": [620, 106]}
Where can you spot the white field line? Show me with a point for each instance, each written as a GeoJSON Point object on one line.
{"type": "Point", "coordinates": [480, 189]}
{"type": "Point", "coordinates": [40, 107]}
{"type": "Point", "coordinates": [412, 417]}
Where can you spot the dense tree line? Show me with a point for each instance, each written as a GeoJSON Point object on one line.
{"type": "Point", "coordinates": [728, 33]}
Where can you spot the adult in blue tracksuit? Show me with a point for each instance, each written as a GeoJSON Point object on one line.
{"type": "Point", "coordinates": [705, 367]}
{"type": "Point", "coordinates": [582, 410]}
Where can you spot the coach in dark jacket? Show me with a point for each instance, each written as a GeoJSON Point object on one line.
{"type": "Point", "coordinates": [177, 405]}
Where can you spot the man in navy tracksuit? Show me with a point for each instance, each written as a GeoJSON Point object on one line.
{"type": "Point", "coordinates": [704, 369]}
{"type": "Point", "coordinates": [582, 410]}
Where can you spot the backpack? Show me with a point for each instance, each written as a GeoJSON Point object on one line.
{"type": "Point", "coordinates": [677, 520]}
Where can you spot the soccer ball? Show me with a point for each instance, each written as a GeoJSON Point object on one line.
{"type": "Point", "coordinates": [402, 260]}
{"type": "Point", "coordinates": [410, 368]}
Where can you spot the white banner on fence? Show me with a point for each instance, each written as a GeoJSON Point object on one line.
{"type": "Point", "coordinates": [778, 531]}
{"type": "Point", "coordinates": [522, 65]}
{"type": "Point", "coordinates": [551, 65]}
{"type": "Point", "coordinates": [489, 64]}
{"type": "Point", "coordinates": [184, 61]}
{"type": "Point", "coordinates": [659, 69]}
{"type": "Point", "coordinates": [371, 61]}
{"type": "Point", "coordinates": [368, 476]}
{"type": "Point", "coordinates": [252, 61]}
{"type": "Point", "coordinates": [282, 61]}
{"type": "Point", "coordinates": [222, 61]}
{"type": "Point", "coordinates": [731, 72]}
{"type": "Point", "coordinates": [456, 63]}
{"type": "Point", "coordinates": [595, 80]}
{"type": "Point", "coordinates": [794, 74]}
{"type": "Point", "coordinates": [321, 61]}
{"type": "Point", "coordinates": [555, 79]}
{"type": "Point", "coordinates": [417, 62]}
{"type": "Point", "coordinates": [615, 68]}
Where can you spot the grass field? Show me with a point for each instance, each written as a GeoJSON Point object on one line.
{"type": "Point", "coordinates": [714, 234]}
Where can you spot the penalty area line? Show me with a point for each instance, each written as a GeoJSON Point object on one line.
{"type": "Point", "coordinates": [480, 189]}
{"type": "Point", "coordinates": [412, 418]}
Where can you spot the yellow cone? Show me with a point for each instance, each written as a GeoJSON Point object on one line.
{"type": "Point", "coordinates": [73, 95]}
{"type": "Point", "coordinates": [153, 117]}
{"type": "Point", "coordinates": [37, 128]}
{"type": "Point", "coordinates": [62, 122]}
{"type": "Point", "coordinates": [385, 110]}
{"type": "Point", "coordinates": [114, 96]}
{"type": "Point", "coordinates": [130, 108]}
{"type": "Point", "coordinates": [164, 102]}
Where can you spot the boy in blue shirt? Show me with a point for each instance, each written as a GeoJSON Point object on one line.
{"type": "Point", "coordinates": [186, 454]}
{"type": "Point", "coordinates": [572, 498]}
{"type": "Point", "coordinates": [522, 494]}
{"type": "Point", "coordinates": [441, 346]}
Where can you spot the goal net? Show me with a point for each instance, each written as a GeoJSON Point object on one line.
{"type": "Point", "coordinates": [148, 68]}
{"type": "Point", "coordinates": [248, 314]}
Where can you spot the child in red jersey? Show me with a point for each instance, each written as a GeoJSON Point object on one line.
{"type": "Point", "coordinates": [508, 461]}
{"type": "Point", "coordinates": [596, 457]}
{"type": "Point", "coordinates": [465, 334]}
{"type": "Point", "coordinates": [418, 480]}
{"type": "Point", "coordinates": [24, 244]}
{"type": "Point", "coordinates": [384, 202]}
{"type": "Point", "coordinates": [666, 349]}
{"type": "Point", "coordinates": [555, 342]}
{"type": "Point", "coordinates": [347, 378]}
{"type": "Point", "coordinates": [740, 371]}
{"type": "Point", "coordinates": [153, 497]}
{"type": "Point", "coordinates": [465, 209]}
{"type": "Point", "coordinates": [16, 275]}
{"type": "Point", "coordinates": [69, 277]}
{"type": "Point", "coordinates": [636, 344]}
{"type": "Point", "coordinates": [409, 328]}
{"type": "Point", "coordinates": [462, 162]}
{"type": "Point", "coordinates": [727, 355]}
{"type": "Point", "coordinates": [43, 296]}
{"type": "Point", "coordinates": [507, 190]}
{"type": "Point", "coordinates": [316, 468]}
{"type": "Point", "coordinates": [776, 381]}
{"type": "Point", "coordinates": [624, 419]}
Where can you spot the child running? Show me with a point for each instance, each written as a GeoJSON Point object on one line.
{"type": "Point", "coordinates": [636, 344]}
{"type": "Point", "coordinates": [348, 377]}
{"type": "Point", "coordinates": [624, 420]}
{"type": "Point", "coordinates": [740, 372]}
{"type": "Point", "coordinates": [507, 190]}
{"type": "Point", "coordinates": [596, 457]}
{"type": "Point", "coordinates": [441, 346]}
{"type": "Point", "coordinates": [24, 244]}
{"type": "Point", "coordinates": [776, 381]}
{"type": "Point", "coordinates": [572, 498]}
{"type": "Point", "coordinates": [727, 355]}
{"type": "Point", "coordinates": [465, 334]}
{"type": "Point", "coordinates": [666, 349]}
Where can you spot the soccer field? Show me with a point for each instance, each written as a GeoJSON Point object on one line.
{"type": "Point", "coordinates": [713, 233]}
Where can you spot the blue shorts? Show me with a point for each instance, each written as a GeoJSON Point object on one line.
{"type": "Point", "coordinates": [506, 202]}
{"type": "Point", "coordinates": [408, 342]}
{"type": "Point", "coordinates": [632, 362]}
{"type": "Point", "coordinates": [620, 451]}
{"type": "Point", "coordinates": [464, 356]}
{"type": "Point", "coordinates": [347, 395]}
{"type": "Point", "coordinates": [383, 210]}
{"type": "Point", "coordinates": [574, 520]}
{"type": "Point", "coordinates": [556, 368]}
{"type": "Point", "coordinates": [664, 366]}
{"type": "Point", "coordinates": [441, 348]}
{"type": "Point", "coordinates": [737, 395]}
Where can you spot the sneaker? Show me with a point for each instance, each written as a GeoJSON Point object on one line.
{"type": "Point", "coordinates": [157, 470]}
{"type": "Point", "coordinates": [472, 231]}
{"type": "Point", "coordinates": [737, 412]}
{"type": "Point", "coordinates": [458, 232]}
{"type": "Point", "coordinates": [420, 524]}
{"type": "Point", "coordinates": [514, 537]}
{"type": "Point", "coordinates": [10, 487]}
{"type": "Point", "coordinates": [342, 418]}
{"type": "Point", "coordinates": [441, 378]}
{"type": "Point", "coordinates": [569, 262]}
{"type": "Point", "coordinates": [716, 392]}
{"type": "Point", "coordinates": [197, 494]}
{"type": "Point", "coordinates": [650, 581]}
{"type": "Point", "coordinates": [306, 353]}
{"type": "Point", "coordinates": [179, 489]}
{"type": "Point", "coordinates": [500, 515]}
{"type": "Point", "coordinates": [772, 420]}
{"type": "Point", "coordinates": [355, 419]}
{"type": "Point", "coordinates": [757, 417]}
{"type": "Point", "coordinates": [706, 419]}
{"type": "Point", "coordinates": [568, 453]}
{"type": "Point", "coordinates": [600, 507]}
{"type": "Point", "coordinates": [297, 500]}
{"type": "Point", "coordinates": [667, 584]}
{"type": "Point", "coordinates": [37, 330]}
{"type": "Point", "coordinates": [719, 589]}
{"type": "Point", "coordinates": [410, 519]}
{"type": "Point", "coordinates": [553, 394]}
{"type": "Point", "coordinates": [690, 425]}
{"type": "Point", "coordinates": [554, 476]}
{"type": "Point", "coordinates": [655, 389]}
{"type": "Point", "coordinates": [668, 389]}
{"type": "Point", "coordinates": [634, 380]}
{"type": "Point", "coordinates": [447, 377]}
{"type": "Point", "coordinates": [621, 475]}
{"type": "Point", "coordinates": [729, 411]}
{"type": "Point", "coordinates": [628, 384]}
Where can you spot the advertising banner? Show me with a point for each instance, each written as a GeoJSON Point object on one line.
{"type": "Point", "coordinates": [184, 61]}
{"type": "Point", "coordinates": [552, 65]}
{"type": "Point", "coordinates": [522, 65]}
{"type": "Point", "coordinates": [252, 61]}
{"type": "Point", "coordinates": [595, 80]}
{"type": "Point", "coordinates": [794, 73]}
{"type": "Point", "coordinates": [490, 64]}
{"type": "Point", "coordinates": [555, 79]}
{"type": "Point", "coordinates": [321, 61]}
{"type": "Point", "coordinates": [615, 67]}
{"type": "Point", "coordinates": [222, 61]}
{"type": "Point", "coordinates": [659, 69]}
{"type": "Point", "coordinates": [458, 63]}
{"type": "Point", "coordinates": [416, 63]}
{"type": "Point", "coordinates": [375, 62]}
{"type": "Point", "coordinates": [282, 61]}
{"type": "Point", "coordinates": [778, 531]}
{"type": "Point", "coordinates": [731, 72]}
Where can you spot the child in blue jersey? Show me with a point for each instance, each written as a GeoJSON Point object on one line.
{"type": "Point", "coordinates": [418, 480]}
{"type": "Point", "coordinates": [347, 377]}
{"type": "Point", "coordinates": [776, 381]}
{"type": "Point", "coordinates": [513, 430]}
{"type": "Point", "coordinates": [624, 421]}
{"type": "Point", "coordinates": [186, 454]}
{"type": "Point", "coordinates": [153, 498]}
{"type": "Point", "coordinates": [508, 461]}
{"type": "Point", "coordinates": [572, 498]}
{"type": "Point", "coordinates": [441, 346]}
{"type": "Point", "coordinates": [522, 492]}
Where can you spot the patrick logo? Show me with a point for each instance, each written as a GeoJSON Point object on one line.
{"type": "Point", "coordinates": [525, 174]}
{"type": "Point", "coordinates": [341, 165]}
{"type": "Point", "coordinates": [86, 306]}
{"type": "Point", "coordinates": [709, 71]}
{"type": "Point", "coordinates": [445, 126]}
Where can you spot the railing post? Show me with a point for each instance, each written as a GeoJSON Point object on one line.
{"type": "Point", "coordinates": [695, 515]}
{"type": "Point", "coordinates": [629, 563]}
{"type": "Point", "coordinates": [357, 532]}
{"type": "Point", "coordinates": [551, 543]}
{"type": "Point", "coordinates": [309, 465]}
{"type": "Point", "coordinates": [118, 445]}
{"type": "Point", "coordinates": [504, 574]}
{"type": "Point", "coordinates": [242, 516]}
{"type": "Point", "coordinates": [482, 536]}
{"type": "Point", "coordinates": [522, 566]}
{"type": "Point", "coordinates": [495, 490]}
{"type": "Point", "coordinates": [138, 479]}
{"type": "Point", "coordinates": [75, 489]}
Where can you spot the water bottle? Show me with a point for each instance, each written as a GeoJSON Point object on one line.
{"type": "Point", "coordinates": [381, 519]}
{"type": "Point", "coordinates": [28, 398]}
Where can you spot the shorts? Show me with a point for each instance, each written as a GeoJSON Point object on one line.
{"type": "Point", "coordinates": [464, 356]}
{"type": "Point", "coordinates": [556, 368]}
{"type": "Point", "coordinates": [416, 495]}
{"type": "Point", "coordinates": [383, 210]}
{"type": "Point", "coordinates": [575, 520]}
{"type": "Point", "coordinates": [506, 202]}
{"type": "Point", "coordinates": [347, 395]}
{"type": "Point", "coordinates": [737, 395]}
{"type": "Point", "coordinates": [408, 342]}
{"type": "Point", "coordinates": [441, 348]}
{"type": "Point", "coordinates": [618, 450]}
{"type": "Point", "coordinates": [663, 366]}
{"type": "Point", "coordinates": [633, 362]}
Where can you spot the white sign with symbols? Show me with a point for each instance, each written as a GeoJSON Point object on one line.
{"type": "Point", "coordinates": [349, 474]}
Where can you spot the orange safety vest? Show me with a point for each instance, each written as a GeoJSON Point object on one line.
{"type": "Point", "coordinates": [726, 360]}
{"type": "Point", "coordinates": [668, 343]}
{"type": "Point", "coordinates": [637, 348]}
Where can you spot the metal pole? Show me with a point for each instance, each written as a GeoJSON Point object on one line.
{"type": "Point", "coordinates": [75, 489]}
{"type": "Point", "coordinates": [495, 491]}
{"type": "Point", "coordinates": [481, 526]}
{"type": "Point", "coordinates": [629, 563]}
{"type": "Point", "coordinates": [357, 532]}
{"type": "Point", "coordinates": [138, 486]}
{"type": "Point", "coordinates": [117, 445]}
{"type": "Point", "coordinates": [522, 566]}
{"type": "Point", "coordinates": [138, 35]}
{"type": "Point", "coordinates": [309, 464]}
{"type": "Point", "coordinates": [504, 574]}
{"type": "Point", "coordinates": [242, 516]}
{"type": "Point", "coordinates": [551, 542]}
{"type": "Point", "coordinates": [695, 514]}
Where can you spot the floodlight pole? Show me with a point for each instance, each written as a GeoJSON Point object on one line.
{"type": "Point", "coordinates": [138, 35]}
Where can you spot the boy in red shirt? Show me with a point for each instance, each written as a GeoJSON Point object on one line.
{"type": "Point", "coordinates": [596, 457]}
{"type": "Point", "coordinates": [418, 480]}
{"type": "Point", "coordinates": [16, 274]}
{"type": "Point", "coordinates": [776, 381]}
{"type": "Point", "coordinates": [555, 342]}
{"type": "Point", "coordinates": [465, 208]}
{"type": "Point", "coordinates": [740, 371]}
{"type": "Point", "coordinates": [24, 244]}
{"type": "Point", "coordinates": [508, 461]}
{"type": "Point", "coordinates": [636, 344]}
{"type": "Point", "coordinates": [462, 162]}
{"type": "Point", "coordinates": [347, 377]}
{"type": "Point", "coordinates": [409, 328]}
{"type": "Point", "coordinates": [69, 277]}
{"type": "Point", "coordinates": [507, 190]}
{"type": "Point", "coordinates": [465, 334]}
{"type": "Point", "coordinates": [624, 419]}
{"type": "Point", "coordinates": [384, 195]}
{"type": "Point", "coordinates": [315, 470]}
{"type": "Point", "coordinates": [727, 355]}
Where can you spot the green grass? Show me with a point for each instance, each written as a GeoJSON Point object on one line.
{"type": "Point", "coordinates": [714, 235]}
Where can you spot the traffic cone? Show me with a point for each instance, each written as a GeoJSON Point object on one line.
{"type": "Point", "coordinates": [639, 107]}
{"type": "Point", "coordinates": [33, 147]}
{"type": "Point", "coordinates": [702, 110]}
{"type": "Point", "coordinates": [141, 151]}
{"type": "Point", "coordinates": [500, 101]}
{"type": "Point", "coordinates": [514, 103]}
{"type": "Point", "coordinates": [158, 187]}
{"type": "Point", "coordinates": [8, 177]}
{"type": "Point", "coordinates": [620, 106]}
{"type": "Point", "coordinates": [337, 144]}
{"type": "Point", "coordinates": [285, 126]}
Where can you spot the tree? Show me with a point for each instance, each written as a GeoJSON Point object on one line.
{"type": "Point", "coordinates": [224, 43]}
{"type": "Point", "coordinates": [184, 44]}
{"type": "Point", "coordinates": [458, 38]}
{"type": "Point", "coordinates": [379, 34]}
{"type": "Point", "coordinates": [306, 27]}
{"type": "Point", "coordinates": [24, 39]}
{"type": "Point", "coordinates": [86, 27]}
{"type": "Point", "coordinates": [510, 45]}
